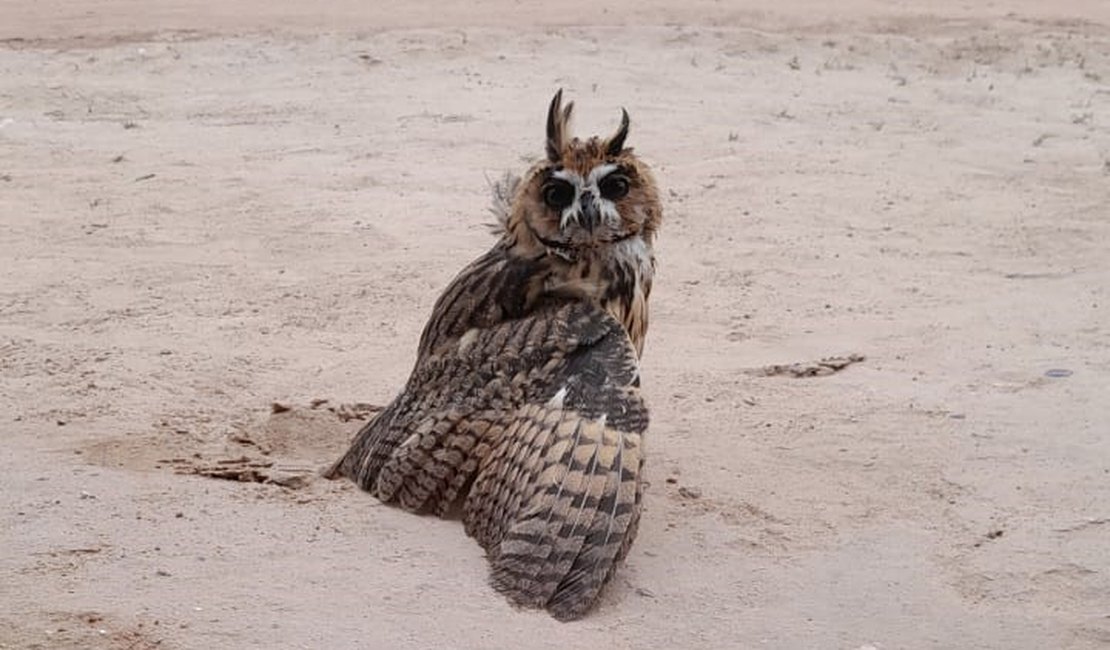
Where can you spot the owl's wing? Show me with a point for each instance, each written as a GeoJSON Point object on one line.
{"type": "Point", "coordinates": [539, 422]}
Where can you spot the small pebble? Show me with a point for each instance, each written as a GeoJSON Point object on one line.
{"type": "Point", "coordinates": [690, 492]}
{"type": "Point", "coordinates": [1058, 372]}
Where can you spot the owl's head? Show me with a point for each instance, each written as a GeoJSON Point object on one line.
{"type": "Point", "coordinates": [585, 194]}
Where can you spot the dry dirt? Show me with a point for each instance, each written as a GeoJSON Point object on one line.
{"type": "Point", "coordinates": [209, 208]}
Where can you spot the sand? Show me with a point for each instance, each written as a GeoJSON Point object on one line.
{"type": "Point", "coordinates": [211, 208]}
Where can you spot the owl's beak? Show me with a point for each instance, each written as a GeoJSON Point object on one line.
{"type": "Point", "coordinates": [590, 211]}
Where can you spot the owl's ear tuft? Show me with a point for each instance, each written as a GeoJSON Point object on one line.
{"type": "Point", "coordinates": [558, 120]}
{"type": "Point", "coordinates": [615, 144]}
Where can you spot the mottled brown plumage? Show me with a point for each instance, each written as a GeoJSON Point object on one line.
{"type": "Point", "coordinates": [523, 406]}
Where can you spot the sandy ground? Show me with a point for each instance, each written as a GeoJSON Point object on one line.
{"type": "Point", "coordinates": [210, 207]}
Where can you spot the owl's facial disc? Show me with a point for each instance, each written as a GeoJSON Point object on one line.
{"type": "Point", "coordinates": [587, 203]}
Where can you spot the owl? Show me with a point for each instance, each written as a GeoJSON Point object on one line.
{"type": "Point", "coordinates": [523, 412]}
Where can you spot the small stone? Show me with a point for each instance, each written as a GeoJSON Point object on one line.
{"type": "Point", "coordinates": [689, 492]}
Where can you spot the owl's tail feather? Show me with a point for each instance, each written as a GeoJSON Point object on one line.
{"type": "Point", "coordinates": [558, 517]}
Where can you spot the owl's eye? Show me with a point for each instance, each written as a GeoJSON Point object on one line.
{"type": "Point", "coordinates": [614, 186]}
{"type": "Point", "coordinates": [558, 194]}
